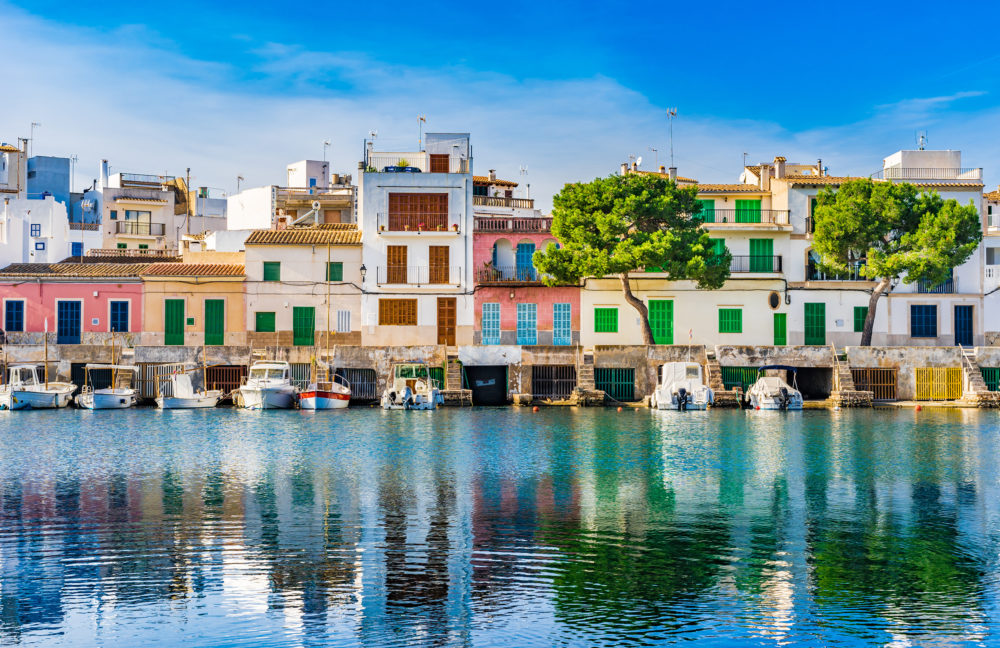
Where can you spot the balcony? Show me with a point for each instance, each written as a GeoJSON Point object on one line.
{"type": "Point", "coordinates": [754, 263]}
{"type": "Point", "coordinates": [144, 180]}
{"type": "Point", "coordinates": [419, 275]}
{"type": "Point", "coordinates": [745, 216]}
{"type": "Point", "coordinates": [496, 275]}
{"type": "Point", "coordinates": [501, 224]}
{"type": "Point", "coordinates": [502, 201]}
{"type": "Point", "coordinates": [139, 228]}
{"type": "Point", "coordinates": [906, 173]}
{"type": "Point", "coordinates": [85, 227]}
{"type": "Point", "coordinates": [813, 273]}
{"type": "Point", "coordinates": [418, 162]}
{"type": "Point", "coordinates": [419, 222]}
{"type": "Point", "coordinates": [946, 287]}
{"type": "Point", "coordinates": [157, 254]}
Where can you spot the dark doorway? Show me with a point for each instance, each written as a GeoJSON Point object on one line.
{"type": "Point", "coordinates": [488, 384]}
{"type": "Point", "coordinates": [963, 325]}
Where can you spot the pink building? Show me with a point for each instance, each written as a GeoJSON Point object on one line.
{"type": "Point", "coordinates": [79, 303]}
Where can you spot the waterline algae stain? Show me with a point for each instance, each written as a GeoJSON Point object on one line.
{"type": "Point", "coordinates": [498, 527]}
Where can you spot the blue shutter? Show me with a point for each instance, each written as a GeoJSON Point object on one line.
{"type": "Point", "coordinates": [525, 265]}
{"type": "Point", "coordinates": [527, 324]}
{"type": "Point", "coordinates": [562, 327]}
{"type": "Point", "coordinates": [491, 323]}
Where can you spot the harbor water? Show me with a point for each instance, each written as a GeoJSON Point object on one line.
{"type": "Point", "coordinates": [499, 527]}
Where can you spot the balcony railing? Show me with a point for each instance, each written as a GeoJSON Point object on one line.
{"type": "Point", "coordinates": [503, 201]}
{"type": "Point", "coordinates": [133, 252]}
{"type": "Point", "coordinates": [144, 179]}
{"type": "Point", "coordinates": [86, 227]}
{"type": "Point", "coordinates": [945, 287]}
{"type": "Point", "coordinates": [419, 222]}
{"type": "Point", "coordinates": [419, 275]}
{"type": "Point", "coordinates": [911, 173]}
{"type": "Point", "coordinates": [418, 162]}
{"type": "Point", "coordinates": [745, 216]}
{"type": "Point", "coordinates": [502, 224]}
{"type": "Point", "coordinates": [755, 263]}
{"type": "Point", "coordinates": [140, 228]}
{"type": "Point", "coordinates": [813, 273]}
{"type": "Point", "coordinates": [492, 274]}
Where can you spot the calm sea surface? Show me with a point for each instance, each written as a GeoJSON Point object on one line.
{"type": "Point", "coordinates": [499, 527]}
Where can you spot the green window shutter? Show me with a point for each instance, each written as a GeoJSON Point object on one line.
{"type": "Point", "coordinates": [748, 211]}
{"type": "Point", "coordinates": [335, 271]}
{"type": "Point", "coordinates": [122, 246]}
{"type": "Point", "coordinates": [815, 324]}
{"type": "Point", "coordinates": [780, 329]}
{"type": "Point", "coordinates": [860, 315]}
{"type": "Point", "coordinates": [143, 246]}
{"type": "Point", "coordinates": [761, 255]}
{"type": "Point", "coordinates": [303, 325]}
{"type": "Point", "coordinates": [272, 271]}
{"type": "Point", "coordinates": [718, 245]}
{"type": "Point", "coordinates": [812, 215]}
{"type": "Point", "coordinates": [730, 320]}
{"type": "Point", "coordinates": [605, 320]}
{"type": "Point", "coordinates": [215, 322]}
{"type": "Point", "coordinates": [661, 320]}
{"type": "Point", "coordinates": [264, 322]}
{"type": "Point", "coordinates": [707, 213]}
{"type": "Point", "coordinates": [173, 324]}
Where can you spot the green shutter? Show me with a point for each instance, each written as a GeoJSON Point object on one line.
{"type": "Point", "coordinates": [215, 322]}
{"type": "Point", "coordinates": [730, 320]}
{"type": "Point", "coordinates": [860, 315]}
{"type": "Point", "coordinates": [761, 255]}
{"type": "Point", "coordinates": [815, 324]}
{"type": "Point", "coordinates": [272, 271]}
{"type": "Point", "coordinates": [812, 215]}
{"type": "Point", "coordinates": [748, 211]}
{"type": "Point", "coordinates": [661, 320]}
{"type": "Point", "coordinates": [718, 245]}
{"type": "Point", "coordinates": [605, 320]}
{"type": "Point", "coordinates": [303, 325]}
{"type": "Point", "coordinates": [173, 322]}
{"type": "Point", "coordinates": [707, 213]}
{"type": "Point", "coordinates": [122, 246]}
{"type": "Point", "coordinates": [264, 322]}
{"type": "Point", "coordinates": [335, 271]}
{"type": "Point", "coordinates": [780, 329]}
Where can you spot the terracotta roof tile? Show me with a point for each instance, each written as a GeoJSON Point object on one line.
{"type": "Point", "coordinates": [306, 236]}
{"type": "Point", "coordinates": [666, 175]}
{"type": "Point", "coordinates": [993, 195]}
{"type": "Point", "coordinates": [817, 179]}
{"type": "Point", "coordinates": [754, 170]}
{"type": "Point", "coordinates": [730, 188]}
{"type": "Point", "coordinates": [194, 270]}
{"type": "Point", "coordinates": [96, 270]}
{"type": "Point", "coordinates": [486, 180]}
{"type": "Point", "coordinates": [7, 148]}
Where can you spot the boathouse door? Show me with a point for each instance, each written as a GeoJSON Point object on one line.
{"type": "Point", "coordinates": [68, 322]}
{"type": "Point", "coordinates": [963, 325]}
{"type": "Point", "coordinates": [173, 322]}
{"type": "Point", "coordinates": [446, 320]}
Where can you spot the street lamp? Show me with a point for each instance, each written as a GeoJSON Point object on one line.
{"type": "Point", "coordinates": [364, 271]}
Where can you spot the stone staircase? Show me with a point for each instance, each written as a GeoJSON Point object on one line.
{"type": "Point", "coordinates": [453, 393]}
{"type": "Point", "coordinates": [976, 390]}
{"type": "Point", "coordinates": [713, 375]}
{"type": "Point", "coordinates": [586, 392]}
{"type": "Point", "coordinates": [844, 393]}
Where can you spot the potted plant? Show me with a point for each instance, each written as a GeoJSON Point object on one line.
{"type": "Point", "coordinates": [420, 227]}
{"type": "Point", "coordinates": [439, 227]}
{"type": "Point", "coordinates": [406, 227]}
{"type": "Point", "coordinates": [402, 163]}
{"type": "Point", "coordinates": [381, 228]}
{"type": "Point", "coordinates": [454, 227]}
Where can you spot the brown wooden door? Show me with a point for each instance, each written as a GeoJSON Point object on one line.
{"type": "Point", "coordinates": [439, 163]}
{"type": "Point", "coordinates": [396, 264]}
{"type": "Point", "coordinates": [439, 264]}
{"type": "Point", "coordinates": [446, 320]}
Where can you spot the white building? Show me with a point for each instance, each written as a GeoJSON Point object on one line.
{"type": "Point", "coordinates": [416, 223]}
{"type": "Point", "coordinates": [311, 195]}
{"type": "Point", "coordinates": [991, 266]}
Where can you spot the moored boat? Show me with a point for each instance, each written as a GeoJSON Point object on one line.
{"type": "Point", "coordinates": [412, 388]}
{"type": "Point", "coordinates": [772, 392]}
{"type": "Point", "coordinates": [267, 387]}
{"type": "Point", "coordinates": [184, 396]}
{"type": "Point", "coordinates": [120, 395]}
{"type": "Point", "coordinates": [24, 390]}
{"type": "Point", "coordinates": [321, 395]}
{"type": "Point", "coordinates": [682, 388]}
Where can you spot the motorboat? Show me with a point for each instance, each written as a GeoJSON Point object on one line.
{"type": "Point", "coordinates": [328, 394]}
{"type": "Point", "coordinates": [120, 395]}
{"type": "Point", "coordinates": [772, 392]}
{"type": "Point", "coordinates": [682, 388]}
{"type": "Point", "coordinates": [412, 388]}
{"type": "Point", "coordinates": [184, 396]}
{"type": "Point", "coordinates": [24, 390]}
{"type": "Point", "coordinates": [268, 386]}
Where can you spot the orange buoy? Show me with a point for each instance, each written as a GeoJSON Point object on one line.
{"type": "Point", "coordinates": [758, 407]}
{"type": "Point", "coordinates": [619, 409]}
{"type": "Point", "coordinates": [535, 408]}
{"type": "Point", "coordinates": [919, 408]}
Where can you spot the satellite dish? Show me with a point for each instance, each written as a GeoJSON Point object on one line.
{"type": "Point", "coordinates": [638, 161]}
{"type": "Point", "coordinates": [316, 204]}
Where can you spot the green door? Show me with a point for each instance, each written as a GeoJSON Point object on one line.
{"type": "Point", "coordinates": [747, 211]}
{"type": "Point", "coordinates": [215, 322]}
{"type": "Point", "coordinates": [173, 324]}
{"type": "Point", "coordinates": [815, 324]}
{"type": "Point", "coordinates": [761, 255]}
{"type": "Point", "coordinates": [661, 320]}
{"type": "Point", "coordinates": [780, 329]}
{"type": "Point", "coordinates": [303, 325]}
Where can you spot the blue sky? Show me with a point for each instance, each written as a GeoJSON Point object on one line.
{"type": "Point", "coordinates": [568, 90]}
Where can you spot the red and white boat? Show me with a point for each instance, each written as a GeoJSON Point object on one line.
{"type": "Point", "coordinates": [326, 395]}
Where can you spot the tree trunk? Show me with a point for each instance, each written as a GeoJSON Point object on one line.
{"type": "Point", "coordinates": [866, 333]}
{"type": "Point", "coordinates": [647, 333]}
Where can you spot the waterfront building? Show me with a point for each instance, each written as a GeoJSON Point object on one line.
{"type": "Point", "coordinates": [991, 266]}
{"type": "Point", "coordinates": [288, 275]}
{"type": "Point", "coordinates": [416, 223]}
{"type": "Point", "coordinates": [311, 195]}
{"type": "Point", "coordinates": [48, 176]}
{"type": "Point", "coordinates": [194, 303]}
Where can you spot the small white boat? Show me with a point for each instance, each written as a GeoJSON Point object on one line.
{"type": "Point", "coordinates": [267, 387]}
{"type": "Point", "coordinates": [120, 395]}
{"type": "Point", "coordinates": [412, 388]}
{"type": "Point", "coordinates": [772, 392]}
{"type": "Point", "coordinates": [25, 391]}
{"type": "Point", "coordinates": [184, 395]}
{"type": "Point", "coordinates": [322, 395]}
{"type": "Point", "coordinates": [682, 388]}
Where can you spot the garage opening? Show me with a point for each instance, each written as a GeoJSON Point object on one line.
{"type": "Point", "coordinates": [880, 382]}
{"type": "Point", "coordinates": [555, 382]}
{"type": "Point", "coordinates": [488, 384]}
{"type": "Point", "coordinates": [939, 383]}
{"type": "Point", "coordinates": [364, 387]}
{"type": "Point", "coordinates": [815, 383]}
{"type": "Point", "coordinates": [617, 384]}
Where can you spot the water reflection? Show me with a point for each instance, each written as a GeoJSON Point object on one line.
{"type": "Point", "coordinates": [497, 527]}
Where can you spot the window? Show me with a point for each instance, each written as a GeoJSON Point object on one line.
{"type": "Point", "coordinates": [411, 211]}
{"type": "Point", "coordinates": [40, 245]}
{"type": "Point", "coordinates": [605, 320]}
{"type": "Point", "coordinates": [993, 256]}
{"type": "Point", "coordinates": [114, 214]}
{"type": "Point", "coordinates": [661, 320]}
{"type": "Point", "coordinates": [761, 255]}
{"type": "Point", "coordinates": [707, 213]}
{"type": "Point", "coordinates": [730, 320]}
{"type": "Point", "coordinates": [397, 312]}
{"type": "Point", "coordinates": [13, 320]}
{"type": "Point", "coordinates": [780, 329]}
{"type": "Point", "coordinates": [144, 246]}
{"type": "Point", "coordinates": [923, 321]}
{"type": "Point", "coordinates": [36, 229]}
{"type": "Point", "coordinates": [439, 162]}
{"type": "Point", "coordinates": [335, 271]}
{"type": "Point", "coordinates": [396, 257]}
{"type": "Point", "coordinates": [480, 190]}
{"type": "Point", "coordinates": [860, 315]}
{"type": "Point", "coordinates": [343, 321]}
{"type": "Point", "coordinates": [140, 216]}
{"type": "Point", "coordinates": [491, 323]}
{"type": "Point", "coordinates": [562, 324]}
{"type": "Point", "coordinates": [812, 215]}
{"type": "Point", "coordinates": [264, 322]}
{"type": "Point", "coordinates": [118, 317]}
{"type": "Point", "coordinates": [747, 211]}
{"type": "Point", "coordinates": [527, 324]}
{"type": "Point", "coordinates": [303, 325]}
{"type": "Point", "coordinates": [312, 182]}
{"type": "Point", "coordinates": [122, 246]}
{"type": "Point", "coordinates": [272, 271]}
{"type": "Point", "coordinates": [439, 264]}
{"type": "Point", "coordinates": [815, 323]}
{"type": "Point", "coordinates": [524, 257]}
{"type": "Point", "coordinates": [76, 249]}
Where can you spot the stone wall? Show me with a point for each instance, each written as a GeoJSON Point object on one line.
{"type": "Point", "coordinates": [906, 360]}
{"type": "Point", "coordinates": [646, 360]}
{"type": "Point", "coordinates": [988, 356]}
{"type": "Point", "coordinates": [757, 356]}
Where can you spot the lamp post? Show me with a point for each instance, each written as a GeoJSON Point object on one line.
{"type": "Point", "coordinates": [364, 271]}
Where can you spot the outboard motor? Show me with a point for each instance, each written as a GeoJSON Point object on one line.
{"type": "Point", "coordinates": [784, 398]}
{"type": "Point", "coordinates": [682, 400]}
{"type": "Point", "coordinates": [407, 397]}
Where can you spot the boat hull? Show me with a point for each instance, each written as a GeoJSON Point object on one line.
{"type": "Point", "coordinates": [118, 399]}
{"type": "Point", "coordinates": [195, 402]}
{"type": "Point", "coordinates": [323, 400]}
{"type": "Point", "coordinates": [667, 400]}
{"type": "Point", "coordinates": [774, 405]}
{"type": "Point", "coordinates": [267, 398]}
{"type": "Point", "coordinates": [19, 399]}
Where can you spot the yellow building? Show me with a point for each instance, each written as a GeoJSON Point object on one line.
{"type": "Point", "coordinates": [194, 304]}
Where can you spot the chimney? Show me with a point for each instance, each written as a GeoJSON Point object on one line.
{"type": "Point", "coordinates": [779, 167]}
{"type": "Point", "coordinates": [819, 166]}
{"type": "Point", "coordinates": [624, 168]}
{"type": "Point", "coordinates": [635, 166]}
{"type": "Point", "coordinates": [663, 169]}
{"type": "Point", "coordinates": [765, 176]}
{"type": "Point", "coordinates": [104, 175]}
{"type": "Point", "coordinates": [673, 173]}
{"type": "Point", "coordinates": [493, 175]}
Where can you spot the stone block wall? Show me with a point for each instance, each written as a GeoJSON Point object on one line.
{"type": "Point", "coordinates": [906, 360]}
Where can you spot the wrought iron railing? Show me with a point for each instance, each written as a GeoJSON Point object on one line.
{"type": "Point", "coordinates": [140, 228]}
{"type": "Point", "coordinates": [86, 227]}
{"type": "Point", "coordinates": [755, 263]}
{"type": "Point", "coordinates": [946, 286]}
{"type": "Point", "coordinates": [813, 273]}
{"type": "Point", "coordinates": [419, 275]}
{"type": "Point", "coordinates": [439, 222]}
{"type": "Point", "coordinates": [503, 224]}
{"type": "Point", "coordinates": [418, 162]}
{"type": "Point", "coordinates": [507, 274]}
{"type": "Point", "coordinates": [916, 173]}
{"type": "Point", "coordinates": [744, 216]}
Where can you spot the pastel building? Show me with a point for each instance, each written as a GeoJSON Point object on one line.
{"type": "Point", "coordinates": [310, 195]}
{"type": "Point", "coordinates": [194, 304]}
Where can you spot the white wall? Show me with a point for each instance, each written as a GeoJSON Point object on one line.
{"type": "Point", "coordinates": [250, 209]}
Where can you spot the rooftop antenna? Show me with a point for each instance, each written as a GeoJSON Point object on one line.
{"type": "Point", "coordinates": [638, 161]}
{"type": "Point", "coordinates": [31, 141]}
{"type": "Point", "coordinates": [671, 113]}
{"type": "Point", "coordinates": [524, 174]}
{"type": "Point", "coordinates": [745, 154]}
{"type": "Point", "coordinates": [421, 120]}
{"type": "Point", "coordinates": [326, 145]}
{"type": "Point", "coordinates": [373, 134]}
{"type": "Point", "coordinates": [656, 155]}
{"type": "Point", "coordinates": [921, 140]}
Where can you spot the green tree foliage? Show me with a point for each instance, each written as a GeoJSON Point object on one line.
{"type": "Point", "coordinates": [620, 224]}
{"type": "Point", "coordinates": [895, 232]}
